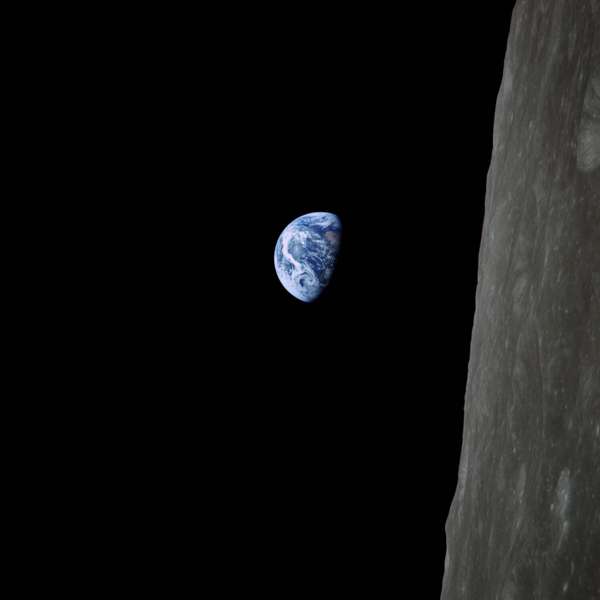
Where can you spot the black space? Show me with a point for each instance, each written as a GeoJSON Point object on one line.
{"type": "Point", "coordinates": [333, 428]}
{"type": "Point", "coordinates": [352, 406]}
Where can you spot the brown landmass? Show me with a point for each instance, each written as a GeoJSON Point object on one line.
{"type": "Point", "coordinates": [333, 237]}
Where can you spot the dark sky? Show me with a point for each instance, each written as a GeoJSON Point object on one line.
{"type": "Point", "coordinates": [324, 438]}
{"type": "Point", "coordinates": [353, 405]}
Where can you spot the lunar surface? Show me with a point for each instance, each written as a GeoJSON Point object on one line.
{"type": "Point", "coordinates": [525, 520]}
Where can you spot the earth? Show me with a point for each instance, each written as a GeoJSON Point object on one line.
{"type": "Point", "coordinates": [306, 253]}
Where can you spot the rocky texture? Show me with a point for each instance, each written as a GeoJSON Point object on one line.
{"type": "Point", "coordinates": [525, 520]}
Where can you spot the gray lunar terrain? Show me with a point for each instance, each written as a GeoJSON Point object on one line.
{"type": "Point", "coordinates": [524, 523]}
